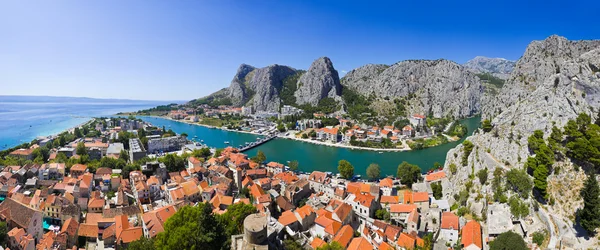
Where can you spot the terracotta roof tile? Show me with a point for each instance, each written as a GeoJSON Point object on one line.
{"type": "Point", "coordinates": [406, 241]}
{"type": "Point", "coordinates": [344, 235]}
{"type": "Point", "coordinates": [471, 234]}
{"type": "Point", "coordinates": [435, 176]}
{"type": "Point", "coordinates": [88, 230]}
{"type": "Point", "coordinates": [287, 218]}
{"type": "Point", "coordinates": [360, 243]}
{"type": "Point", "coordinates": [449, 221]}
{"type": "Point", "coordinates": [402, 208]}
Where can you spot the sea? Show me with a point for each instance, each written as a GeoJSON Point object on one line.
{"type": "Point", "coordinates": [23, 118]}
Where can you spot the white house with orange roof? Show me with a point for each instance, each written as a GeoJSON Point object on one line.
{"type": "Point", "coordinates": [449, 227]}
{"type": "Point", "coordinates": [418, 120]}
{"type": "Point", "coordinates": [330, 134]}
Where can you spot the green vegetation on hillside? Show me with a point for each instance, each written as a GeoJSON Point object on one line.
{"type": "Point", "coordinates": [497, 82]}
{"type": "Point", "coordinates": [290, 84]}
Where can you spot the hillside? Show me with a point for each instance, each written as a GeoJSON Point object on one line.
{"type": "Point", "coordinates": [554, 82]}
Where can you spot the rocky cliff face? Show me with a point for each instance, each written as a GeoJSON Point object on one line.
{"type": "Point", "coordinates": [498, 67]}
{"type": "Point", "coordinates": [552, 83]}
{"type": "Point", "coordinates": [258, 87]}
{"type": "Point", "coordinates": [441, 87]}
{"type": "Point", "coordinates": [320, 81]}
{"type": "Point", "coordinates": [541, 59]}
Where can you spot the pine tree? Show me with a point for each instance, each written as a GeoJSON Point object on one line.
{"type": "Point", "coordinates": [590, 215]}
{"type": "Point", "coordinates": [540, 175]}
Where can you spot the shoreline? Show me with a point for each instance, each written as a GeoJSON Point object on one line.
{"type": "Point", "coordinates": [347, 146]}
{"type": "Point", "coordinates": [406, 147]}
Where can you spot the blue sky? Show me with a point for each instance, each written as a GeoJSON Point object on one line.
{"type": "Point", "coordinates": [180, 50]}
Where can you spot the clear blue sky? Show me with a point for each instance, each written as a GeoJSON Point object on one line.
{"type": "Point", "coordinates": [184, 49]}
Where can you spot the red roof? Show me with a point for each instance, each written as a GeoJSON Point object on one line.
{"type": "Point", "coordinates": [344, 235]}
{"type": "Point", "coordinates": [435, 176]}
{"type": "Point", "coordinates": [402, 208]}
{"type": "Point", "coordinates": [449, 221]}
{"type": "Point", "coordinates": [387, 182]}
{"type": "Point", "coordinates": [360, 243]}
{"type": "Point", "coordinates": [420, 197]}
{"type": "Point", "coordinates": [471, 234]}
{"type": "Point", "coordinates": [406, 241]}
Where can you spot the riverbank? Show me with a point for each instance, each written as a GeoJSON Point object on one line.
{"type": "Point", "coordinates": [314, 156]}
{"type": "Point", "coordinates": [339, 145]}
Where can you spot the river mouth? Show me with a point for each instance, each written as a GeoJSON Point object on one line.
{"type": "Point", "coordinates": [313, 157]}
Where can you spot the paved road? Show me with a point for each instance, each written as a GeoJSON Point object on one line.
{"type": "Point", "coordinates": [553, 239]}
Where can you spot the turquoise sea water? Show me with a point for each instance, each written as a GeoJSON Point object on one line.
{"type": "Point", "coordinates": [23, 118]}
{"type": "Point", "coordinates": [317, 157]}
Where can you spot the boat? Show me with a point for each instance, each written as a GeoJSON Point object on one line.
{"type": "Point", "coordinates": [380, 152]}
{"type": "Point", "coordinates": [201, 140]}
{"type": "Point", "coordinates": [226, 142]}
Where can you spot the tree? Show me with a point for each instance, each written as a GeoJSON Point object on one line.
{"type": "Point", "coordinates": [81, 150]}
{"type": "Point", "coordinates": [382, 214]}
{"type": "Point", "coordinates": [346, 169]}
{"type": "Point", "coordinates": [486, 125]}
{"type": "Point", "coordinates": [519, 182]}
{"type": "Point", "coordinates": [173, 162]}
{"type": "Point", "coordinates": [233, 219]}
{"type": "Point", "coordinates": [334, 245]}
{"type": "Point", "coordinates": [518, 208]}
{"type": "Point", "coordinates": [436, 187]}
{"type": "Point", "coordinates": [535, 140]}
{"type": "Point", "coordinates": [482, 175]}
{"type": "Point", "coordinates": [293, 165]}
{"type": "Point", "coordinates": [467, 148]}
{"type": "Point", "coordinates": [408, 173]}
{"type": "Point", "coordinates": [192, 228]}
{"type": "Point", "coordinates": [123, 155]}
{"type": "Point", "coordinates": [260, 156]}
{"type": "Point", "coordinates": [373, 171]}
{"type": "Point", "coordinates": [539, 237]}
{"type": "Point", "coordinates": [590, 214]}
{"type": "Point", "coordinates": [218, 152]}
{"type": "Point", "coordinates": [508, 241]}
{"type": "Point", "coordinates": [3, 233]}
{"type": "Point", "coordinates": [291, 244]}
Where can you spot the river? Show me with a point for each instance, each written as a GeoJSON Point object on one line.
{"type": "Point", "coordinates": [317, 157]}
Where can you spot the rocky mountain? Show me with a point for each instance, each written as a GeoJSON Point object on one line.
{"type": "Point", "coordinates": [320, 81]}
{"type": "Point", "coordinates": [440, 87]}
{"type": "Point", "coordinates": [263, 88]}
{"type": "Point", "coordinates": [541, 60]}
{"type": "Point", "coordinates": [554, 81]}
{"type": "Point", "coordinates": [498, 67]}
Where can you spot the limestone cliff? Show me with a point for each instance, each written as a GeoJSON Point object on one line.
{"type": "Point", "coordinates": [440, 87]}
{"type": "Point", "coordinates": [498, 67]}
{"type": "Point", "coordinates": [320, 81]}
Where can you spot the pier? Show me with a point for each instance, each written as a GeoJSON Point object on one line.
{"type": "Point", "coordinates": [257, 143]}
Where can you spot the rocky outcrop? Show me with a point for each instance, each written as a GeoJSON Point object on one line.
{"type": "Point", "coordinates": [541, 60]}
{"type": "Point", "coordinates": [498, 67]}
{"type": "Point", "coordinates": [237, 88]}
{"type": "Point", "coordinates": [440, 87]}
{"type": "Point", "coordinates": [552, 83]}
{"type": "Point", "coordinates": [266, 85]}
{"type": "Point", "coordinates": [320, 81]}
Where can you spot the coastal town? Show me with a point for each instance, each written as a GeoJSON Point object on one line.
{"type": "Point", "coordinates": [120, 183]}
{"type": "Point", "coordinates": [331, 129]}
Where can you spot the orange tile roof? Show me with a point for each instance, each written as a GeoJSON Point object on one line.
{"type": "Point", "coordinates": [287, 218]}
{"type": "Point", "coordinates": [70, 227]}
{"type": "Point", "coordinates": [391, 232]}
{"type": "Point", "coordinates": [343, 211]}
{"type": "Point", "coordinates": [420, 197]}
{"type": "Point", "coordinates": [275, 165]}
{"type": "Point", "coordinates": [364, 199]}
{"type": "Point", "coordinates": [353, 187]}
{"type": "Point", "coordinates": [402, 208]}
{"type": "Point", "coordinates": [360, 243]}
{"type": "Point", "coordinates": [385, 246]}
{"type": "Point", "coordinates": [131, 234]}
{"type": "Point", "coordinates": [317, 242]}
{"type": "Point", "coordinates": [471, 234]}
{"type": "Point", "coordinates": [406, 241]}
{"type": "Point", "coordinates": [96, 203]}
{"type": "Point", "coordinates": [389, 199]}
{"type": "Point", "coordinates": [256, 191]}
{"type": "Point", "coordinates": [79, 167]}
{"type": "Point", "coordinates": [387, 182]}
{"type": "Point", "coordinates": [189, 188]}
{"type": "Point", "coordinates": [88, 230]}
{"type": "Point", "coordinates": [365, 188]}
{"type": "Point", "coordinates": [304, 211]}
{"type": "Point", "coordinates": [156, 219]}
{"type": "Point", "coordinates": [344, 235]}
{"type": "Point", "coordinates": [407, 197]}
{"type": "Point", "coordinates": [194, 160]}
{"type": "Point", "coordinates": [449, 221]}
{"type": "Point", "coordinates": [435, 176]}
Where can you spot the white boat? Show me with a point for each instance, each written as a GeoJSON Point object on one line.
{"type": "Point", "coordinates": [226, 142]}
